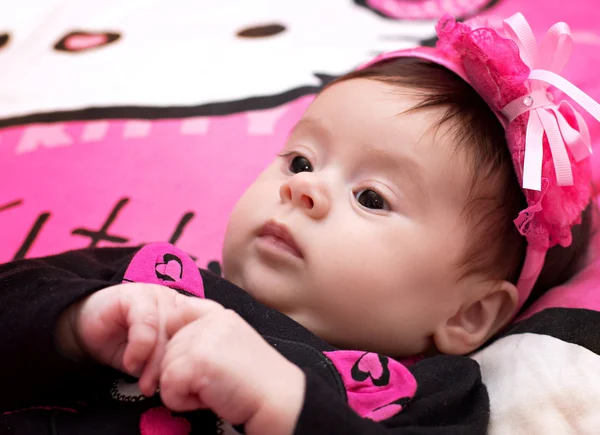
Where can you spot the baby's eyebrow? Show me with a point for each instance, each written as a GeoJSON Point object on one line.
{"type": "Point", "coordinates": [401, 165]}
{"type": "Point", "coordinates": [313, 125]}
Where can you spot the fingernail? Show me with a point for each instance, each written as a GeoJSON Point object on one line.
{"type": "Point", "coordinates": [136, 370]}
{"type": "Point", "coordinates": [152, 390]}
{"type": "Point", "coordinates": [144, 390]}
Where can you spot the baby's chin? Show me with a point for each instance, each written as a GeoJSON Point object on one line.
{"type": "Point", "coordinates": [341, 338]}
{"type": "Point", "coordinates": [267, 288]}
{"type": "Point", "coordinates": [250, 287]}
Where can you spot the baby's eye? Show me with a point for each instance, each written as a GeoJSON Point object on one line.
{"type": "Point", "coordinates": [300, 164]}
{"type": "Point", "coordinates": [370, 199]}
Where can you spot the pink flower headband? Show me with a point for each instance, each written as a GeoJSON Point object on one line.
{"type": "Point", "coordinates": [549, 140]}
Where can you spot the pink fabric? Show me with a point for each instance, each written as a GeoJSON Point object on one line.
{"type": "Point", "coordinates": [377, 387]}
{"type": "Point", "coordinates": [583, 20]}
{"type": "Point", "coordinates": [544, 116]}
{"type": "Point", "coordinates": [160, 421]}
{"type": "Point", "coordinates": [163, 263]}
{"type": "Point", "coordinates": [579, 292]}
{"type": "Point", "coordinates": [427, 9]}
{"type": "Point", "coordinates": [495, 69]}
{"type": "Point", "coordinates": [68, 178]}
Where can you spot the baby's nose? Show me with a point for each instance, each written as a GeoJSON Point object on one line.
{"type": "Point", "coordinates": [306, 192]}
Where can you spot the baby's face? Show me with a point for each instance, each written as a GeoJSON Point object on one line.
{"type": "Point", "coordinates": [355, 230]}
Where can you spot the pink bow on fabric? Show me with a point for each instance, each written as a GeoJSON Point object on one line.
{"type": "Point", "coordinates": [545, 117]}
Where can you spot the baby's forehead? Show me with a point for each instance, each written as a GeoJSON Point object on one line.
{"type": "Point", "coordinates": [378, 114]}
{"type": "Point", "coordinates": [366, 91]}
{"type": "Point", "coordinates": [367, 103]}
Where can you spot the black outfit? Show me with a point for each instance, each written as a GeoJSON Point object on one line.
{"type": "Point", "coordinates": [348, 392]}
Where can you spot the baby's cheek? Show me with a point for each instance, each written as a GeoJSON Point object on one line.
{"type": "Point", "coordinates": [237, 244]}
{"type": "Point", "coordinates": [231, 251]}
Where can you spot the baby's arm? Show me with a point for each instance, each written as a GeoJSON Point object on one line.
{"type": "Point", "coordinates": [450, 400]}
{"type": "Point", "coordinates": [127, 326]}
{"type": "Point", "coordinates": [33, 294]}
{"type": "Point", "coordinates": [69, 314]}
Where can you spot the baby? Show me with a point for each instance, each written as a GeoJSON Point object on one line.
{"type": "Point", "coordinates": [383, 233]}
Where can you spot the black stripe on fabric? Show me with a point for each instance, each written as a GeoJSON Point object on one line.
{"type": "Point", "coordinates": [571, 325]}
{"type": "Point", "coordinates": [169, 112]}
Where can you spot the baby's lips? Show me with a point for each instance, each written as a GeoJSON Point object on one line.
{"type": "Point", "coordinates": [280, 231]}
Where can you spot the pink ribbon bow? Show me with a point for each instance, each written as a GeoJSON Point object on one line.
{"type": "Point", "coordinates": [545, 116]}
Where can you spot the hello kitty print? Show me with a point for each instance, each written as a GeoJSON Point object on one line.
{"type": "Point", "coordinates": [131, 121]}
{"type": "Point", "coordinates": [126, 122]}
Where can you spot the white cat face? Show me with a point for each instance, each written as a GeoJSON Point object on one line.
{"type": "Point", "coordinates": [182, 52]}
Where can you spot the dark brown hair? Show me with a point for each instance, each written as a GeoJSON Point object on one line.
{"type": "Point", "coordinates": [495, 248]}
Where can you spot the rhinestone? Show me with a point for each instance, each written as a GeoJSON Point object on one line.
{"type": "Point", "coordinates": [528, 100]}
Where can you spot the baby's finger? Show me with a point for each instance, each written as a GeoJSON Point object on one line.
{"type": "Point", "coordinates": [142, 319]}
{"type": "Point", "coordinates": [176, 389]}
{"type": "Point", "coordinates": [175, 311]}
{"type": "Point", "coordinates": [185, 310]}
{"type": "Point", "coordinates": [148, 382]}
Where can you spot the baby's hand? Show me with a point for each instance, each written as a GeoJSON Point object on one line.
{"type": "Point", "coordinates": [127, 326]}
{"type": "Point", "coordinates": [220, 362]}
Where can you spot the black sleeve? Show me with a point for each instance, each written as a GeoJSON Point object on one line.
{"type": "Point", "coordinates": [33, 293]}
{"type": "Point", "coordinates": [450, 400]}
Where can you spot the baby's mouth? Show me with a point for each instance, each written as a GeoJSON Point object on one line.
{"type": "Point", "coordinates": [279, 236]}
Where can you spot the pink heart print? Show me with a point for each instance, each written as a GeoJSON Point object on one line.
{"type": "Point", "coordinates": [164, 264]}
{"type": "Point", "coordinates": [171, 269]}
{"type": "Point", "coordinates": [369, 363]}
{"type": "Point", "coordinates": [377, 387]}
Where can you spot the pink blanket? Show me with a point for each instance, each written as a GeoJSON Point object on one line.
{"type": "Point", "coordinates": [124, 122]}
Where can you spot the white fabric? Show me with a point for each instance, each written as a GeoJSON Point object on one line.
{"type": "Point", "coordinates": [184, 52]}
{"type": "Point", "coordinates": [539, 385]}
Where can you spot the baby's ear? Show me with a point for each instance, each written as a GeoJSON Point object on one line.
{"type": "Point", "coordinates": [477, 321]}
